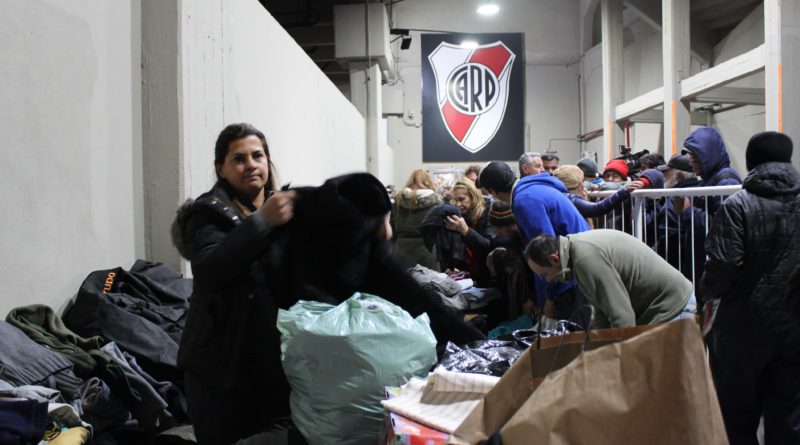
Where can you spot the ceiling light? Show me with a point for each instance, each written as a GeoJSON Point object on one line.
{"type": "Point", "coordinates": [488, 9]}
{"type": "Point", "coordinates": [469, 44]}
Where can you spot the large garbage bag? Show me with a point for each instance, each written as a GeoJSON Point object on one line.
{"type": "Point", "coordinates": [338, 359]}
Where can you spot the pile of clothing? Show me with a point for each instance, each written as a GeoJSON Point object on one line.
{"type": "Point", "coordinates": [107, 370]}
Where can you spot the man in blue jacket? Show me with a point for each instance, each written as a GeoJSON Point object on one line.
{"type": "Point", "coordinates": [540, 207]}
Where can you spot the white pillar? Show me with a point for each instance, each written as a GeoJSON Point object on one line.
{"type": "Point", "coordinates": [676, 58]}
{"type": "Point", "coordinates": [773, 75]}
{"type": "Point", "coordinates": [790, 68]}
{"type": "Point", "coordinates": [365, 94]}
{"type": "Point", "coordinates": [611, 13]}
{"type": "Point", "coordinates": [161, 114]}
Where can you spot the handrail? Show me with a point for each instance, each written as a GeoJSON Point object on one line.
{"type": "Point", "coordinates": [718, 190]}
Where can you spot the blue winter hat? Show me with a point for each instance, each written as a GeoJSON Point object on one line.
{"type": "Point", "coordinates": [655, 177]}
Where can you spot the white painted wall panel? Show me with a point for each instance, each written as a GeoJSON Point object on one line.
{"type": "Point", "coordinates": [67, 163]}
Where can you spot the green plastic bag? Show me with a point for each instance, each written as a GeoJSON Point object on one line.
{"type": "Point", "coordinates": [338, 359]}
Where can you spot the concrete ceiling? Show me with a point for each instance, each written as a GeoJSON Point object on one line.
{"type": "Point", "coordinates": [310, 23]}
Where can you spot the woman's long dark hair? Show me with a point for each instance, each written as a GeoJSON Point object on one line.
{"type": "Point", "coordinates": [234, 132]}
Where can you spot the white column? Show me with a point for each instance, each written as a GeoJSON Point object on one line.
{"type": "Point", "coordinates": [365, 94]}
{"type": "Point", "coordinates": [611, 18]}
{"type": "Point", "coordinates": [677, 58]}
{"type": "Point", "coordinates": [773, 68]}
{"type": "Point", "coordinates": [161, 114]}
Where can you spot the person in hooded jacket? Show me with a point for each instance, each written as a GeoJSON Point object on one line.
{"type": "Point", "coordinates": [412, 204]}
{"type": "Point", "coordinates": [540, 207]}
{"type": "Point", "coordinates": [231, 318]}
{"type": "Point", "coordinates": [753, 251]}
{"type": "Point", "coordinates": [709, 160]}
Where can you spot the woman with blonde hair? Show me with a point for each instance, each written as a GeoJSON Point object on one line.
{"type": "Point", "coordinates": [474, 227]}
{"type": "Point", "coordinates": [411, 205]}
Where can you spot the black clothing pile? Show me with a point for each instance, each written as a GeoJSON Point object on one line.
{"type": "Point", "coordinates": [111, 361]}
{"type": "Point", "coordinates": [495, 357]}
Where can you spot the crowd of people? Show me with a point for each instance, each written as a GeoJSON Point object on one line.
{"type": "Point", "coordinates": [538, 236]}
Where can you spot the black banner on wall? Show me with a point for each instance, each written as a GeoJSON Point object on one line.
{"type": "Point", "coordinates": [473, 99]}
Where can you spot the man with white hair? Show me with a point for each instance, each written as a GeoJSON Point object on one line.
{"type": "Point", "coordinates": [530, 164]}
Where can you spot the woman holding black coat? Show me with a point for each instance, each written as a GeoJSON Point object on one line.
{"type": "Point", "coordinates": [254, 250]}
{"type": "Point", "coordinates": [230, 325]}
{"type": "Point", "coordinates": [474, 227]}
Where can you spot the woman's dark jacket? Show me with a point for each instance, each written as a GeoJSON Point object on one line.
{"type": "Point", "coordinates": [753, 250]}
{"type": "Point", "coordinates": [245, 270]}
{"type": "Point", "coordinates": [479, 241]}
{"type": "Point", "coordinates": [230, 324]}
{"type": "Point", "coordinates": [407, 215]}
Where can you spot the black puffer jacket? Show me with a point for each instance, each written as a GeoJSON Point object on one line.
{"type": "Point", "coordinates": [754, 248]}
{"type": "Point", "coordinates": [231, 318]}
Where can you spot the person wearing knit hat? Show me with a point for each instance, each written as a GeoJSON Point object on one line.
{"type": "Point", "coordinates": [768, 146]}
{"type": "Point", "coordinates": [616, 171]}
{"type": "Point", "coordinates": [501, 214]}
{"type": "Point", "coordinates": [506, 264]}
{"type": "Point", "coordinates": [753, 250]}
{"type": "Point", "coordinates": [589, 168]}
{"type": "Point", "coordinates": [572, 177]}
{"type": "Point", "coordinates": [498, 179]}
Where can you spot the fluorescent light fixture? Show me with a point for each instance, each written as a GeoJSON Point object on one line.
{"type": "Point", "coordinates": [488, 9]}
{"type": "Point", "coordinates": [469, 44]}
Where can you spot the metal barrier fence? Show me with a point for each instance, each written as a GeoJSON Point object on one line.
{"type": "Point", "coordinates": [651, 216]}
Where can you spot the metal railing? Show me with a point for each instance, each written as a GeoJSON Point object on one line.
{"type": "Point", "coordinates": [650, 213]}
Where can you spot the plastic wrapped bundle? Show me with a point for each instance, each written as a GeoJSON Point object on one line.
{"type": "Point", "coordinates": [339, 359]}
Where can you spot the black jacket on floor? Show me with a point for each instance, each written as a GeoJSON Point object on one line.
{"type": "Point", "coordinates": [142, 310]}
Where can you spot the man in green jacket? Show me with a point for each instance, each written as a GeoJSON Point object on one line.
{"type": "Point", "coordinates": [627, 283]}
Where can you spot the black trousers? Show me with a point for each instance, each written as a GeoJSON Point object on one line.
{"type": "Point", "coordinates": [222, 417]}
{"type": "Point", "coordinates": [756, 373]}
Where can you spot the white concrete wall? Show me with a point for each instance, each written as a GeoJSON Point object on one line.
{"type": "Point", "coordinates": [70, 164]}
{"type": "Point", "coordinates": [642, 72]}
{"type": "Point", "coordinates": [737, 126]}
{"type": "Point", "coordinates": [234, 63]}
{"type": "Point", "coordinates": [239, 64]}
{"type": "Point", "coordinates": [552, 55]}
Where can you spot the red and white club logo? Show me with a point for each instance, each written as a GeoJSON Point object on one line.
{"type": "Point", "coordinates": [472, 90]}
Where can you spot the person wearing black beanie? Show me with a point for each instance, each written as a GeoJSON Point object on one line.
{"type": "Point", "coordinates": [768, 146]}
{"type": "Point", "coordinates": [753, 251]}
